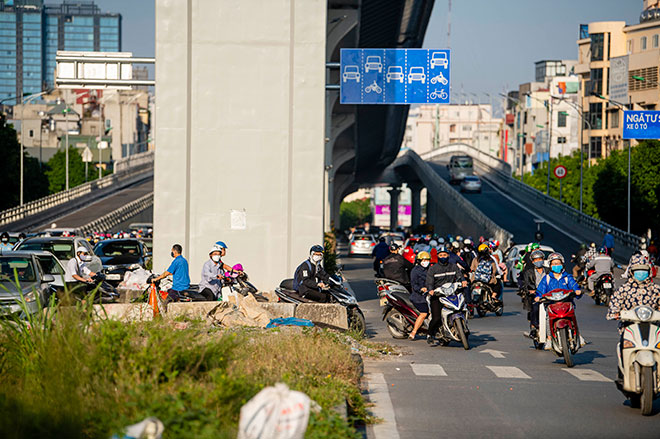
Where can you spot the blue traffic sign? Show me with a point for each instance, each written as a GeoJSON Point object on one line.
{"type": "Point", "coordinates": [641, 125]}
{"type": "Point", "coordinates": [395, 76]}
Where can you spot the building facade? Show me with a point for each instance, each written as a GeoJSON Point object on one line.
{"type": "Point", "coordinates": [32, 32]}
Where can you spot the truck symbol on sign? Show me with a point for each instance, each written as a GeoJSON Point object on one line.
{"type": "Point", "coordinates": [373, 63]}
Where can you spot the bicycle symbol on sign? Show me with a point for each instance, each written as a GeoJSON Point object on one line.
{"type": "Point", "coordinates": [373, 87]}
{"type": "Point", "coordinates": [439, 95]}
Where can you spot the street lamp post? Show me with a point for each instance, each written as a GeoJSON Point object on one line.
{"type": "Point", "coordinates": [549, 125]}
{"type": "Point", "coordinates": [66, 148]}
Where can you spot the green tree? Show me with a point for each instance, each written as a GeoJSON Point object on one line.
{"type": "Point", "coordinates": [35, 184]}
{"type": "Point", "coordinates": [56, 172]}
{"type": "Point", "coordinates": [355, 212]}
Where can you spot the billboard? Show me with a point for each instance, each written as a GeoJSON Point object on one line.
{"type": "Point", "coordinates": [619, 79]}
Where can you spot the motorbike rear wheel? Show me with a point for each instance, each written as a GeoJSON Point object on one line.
{"type": "Point", "coordinates": [647, 391]}
{"type": "Point", "coordinates": [481, 311]}
{"type": "Point", "coordinates": [459, 325]}
{"type": "Point", "coordinates": [395, 316]}
{"type": "Point", "coordinates": [565, 348]}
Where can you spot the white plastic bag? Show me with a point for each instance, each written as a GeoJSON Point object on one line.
{"type": "Point", "coordinates": [150, 428]}
{"type": "Point", "coordinates": [275, 413]}
{"type": "Point", "coordinates": [136, 279]}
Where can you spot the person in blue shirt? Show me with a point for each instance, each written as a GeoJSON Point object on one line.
{"type": "Point", "coordinates": [558, 278]}
{"type": "Point", "coordinates": [178, 269]}
{"type": "Point", "coordinates": [608, 242]}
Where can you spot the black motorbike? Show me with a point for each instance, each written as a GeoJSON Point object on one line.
{"type": "Point", "coordinates": [242, 285]}
{"type": "Point", "coordinates": [336, 294]}
{"type": "Point", "coordinates": [483, 301]}
{"type": "Point", "coordinates": [603, 289]}
{"type": "Point", "coordinates": [102, 291]}
{"type": "Point", "coordinates": [190, 295]}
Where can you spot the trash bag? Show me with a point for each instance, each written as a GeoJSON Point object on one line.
{"type": "Point", "coordinates": [289, 321]}
{"type": "Point", "coordinates": [150, 428]}
{"type": "Point", "coordinates": [275, 413]}
{"type": "Point", "coordinates": [135, 280]}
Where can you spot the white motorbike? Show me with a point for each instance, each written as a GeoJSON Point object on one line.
{"type": "Point", "coordinates": [639, 357]}
{"type": "Point", "coordinates": [454, 314]}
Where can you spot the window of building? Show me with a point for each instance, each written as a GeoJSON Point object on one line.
{"type": "Point", "coordinates": [525, 117]}
{"type": "Point", "coordinates": [467, 128]}
{"type": "Point", "coordinates": [561, 139]}
{"type": "Point", "coordinates": [596, 81]}
{"type": "Point", "coordinates": [452, 128]}
{"type": "Point", "coordinates": [561, 119]}
{"type": "Point", "coordinates": [596, 113]}
{"type": "Point", "coordinates": [595, 146]}
{"type": "Point", "coordinates": [630, 46]}
{"type": "Point", "coordinates": [614, 119]}
{"type": "Point", "coordinates": [642, 43]}
{"type": "Point", "coordinates": [597, 46]}
{"type": "Point", "coordinates": [654, 41]}
{"type": "Point", "coordinates": [31, 133]}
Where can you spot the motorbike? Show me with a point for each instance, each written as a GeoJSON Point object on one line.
{"type": "Point", "coordinates": [454, 314]}
{"type": "Point", "coordinates": [603, 289]}
{"type": "Point", "coordinates": [239, 283]}
{"type": "Point", "coordinates": [638, 355]}
{"type": "Point", "coordinates": [336, 294]}
{"type": "Point", "coordinates": [483, 301]}
{"type": "Point", "coordinates": [103, 291]}
{"type": "Point", "coordinates": [399, 313]}
{"type": "Point", "coordinates": [560, 323]}
{"type": "Point", "coordinates": [190, 295]}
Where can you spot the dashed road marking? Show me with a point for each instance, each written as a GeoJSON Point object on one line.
{"type": "Point", "coordinates": [428, 370]}
{"type": "Point", "coordinates": [588, 375]}
{"type": "Point", "coordinates": [508, 372]}
{"type": "Point", "coordinates": [379, 395]}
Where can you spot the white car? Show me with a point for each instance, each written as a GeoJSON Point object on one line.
{"type": "Point", "coordinates": [439, 59]}
{"type": "Point", "coordinates": [471, 183]}
{"type": "Point", "coordinates": [394, 73]}
{"type": "Point", "coordinates": [416, 74]}
{"type": "Point", "coordinates": [512, 256]}
{"type": "Point", "coordinates": [373, 63]}
{"type": "Point", "coordinates": [351, 73]}
{"type": "Point", "coordinates": [361, 245]}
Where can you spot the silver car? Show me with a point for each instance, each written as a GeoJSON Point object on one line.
{"type": "Point", "coordinates": [361, 245]}
{"type": "Point", "coordinates": [471, 183]}
{"type": "Point", "coordinates": [512, 256]}
{"type": "Point", "coordinates": [24, 287]}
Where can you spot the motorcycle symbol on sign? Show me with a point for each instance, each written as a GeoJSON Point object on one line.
{"type": "Point", "coordinates": [373, 87]}
{"type": "Point", "coordinates": [439, 78]}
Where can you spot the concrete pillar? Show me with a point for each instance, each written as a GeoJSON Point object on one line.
{"type": "Point", "coordinates": [241, 104]}
{"type": "Point", "coordinates": [416, 204]}
{"type": "Point", "coordinates": [394, 207]}
{"type": "Point", "coordinates": [431, 213]}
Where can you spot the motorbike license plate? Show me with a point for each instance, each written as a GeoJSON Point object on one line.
{"type": "Point", "coordinates": [607, 285]}
{"type": "Point", "coordinates": [383, 301]}
{"type": "Point", "coordinates": [113, 276]}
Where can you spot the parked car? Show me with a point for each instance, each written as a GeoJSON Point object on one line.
{"type": "Point", "coordinates": [512, 256]}
{"type": "Point", "coordinates": [471, 183]}
{"type": "Point", "coordinates": [63, 248]}
{"type": "Point", "coordinates": [121, 255]}
{"type": "Point", "coordinates": [361, 245]}
{"type": "Point", "coordinates": [31, 292]}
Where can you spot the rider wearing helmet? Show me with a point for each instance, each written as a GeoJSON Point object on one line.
{"type": "Point", "coordinates": [602, 264]}
{"type": "Point", "coordinates": [396, 267]}
{"type": "Point", "coordinates": [419, 290]}
{"type": "Point", "coordinates": [484, 268]}
{"type": "Point", "coordinates": [579, 260]}
{"type": "Point", "coordinates": [557, 278]}
{"type": "Point", "coordinates": [592, 252]}
{"type": "Point", "coordinates": [531, 280]}
{"type": "Point", "coordinates": [213, 270]}
{"type": "Point", "coordinates": [380, 252]}
{"type": "Point", "coordinates": [310, 277]}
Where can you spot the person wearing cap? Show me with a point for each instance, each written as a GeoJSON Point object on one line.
{"type": "Point", "coordinates": [77, 269]}
{"type": "Point", "coordinates": [419, 290]}
{"type": "Point", "coordinates": [213, 271]}
{"type": "Point", "coordinates": [396, 267]}
{"type": "Point", "coordinates": [637, 291]}
{"type": "Point", "coordinates": [310, 279]}
{"type": "Point", "coordinates": [179, 271]}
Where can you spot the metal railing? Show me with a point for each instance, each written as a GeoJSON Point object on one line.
{"type": "Point", "coordinates": [137, 165]}
{"type": "Point", "coordinates": [142, 158]}
{"type": "Point", "coordinates": [117, 216]}
{"type": "Point", "coordinates": [501, 171]}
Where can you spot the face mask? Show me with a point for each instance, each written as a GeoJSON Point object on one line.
{"type": "Point", "coordinates": [641, 275]}
{"type": "Point", "coordinates": [443, 261]}
{"type": "Point", "coordinates": [215, 258]}
{"type": "Point", "coordinates": [556, 268]}
{"type": "Point", "coordinates": [538, 264]}
{"type": "Point", "coordinates": [317, 258]}
{"type": "Point", "coordinates": [425, 263]}
{"type": "Point", "coordinates": [172, 254]}
{"type": "Point", "coordinates": [4, 240]}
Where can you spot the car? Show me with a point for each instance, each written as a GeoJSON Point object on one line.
{"type": "Point", "coordinates": [471, 183]}
{"type": "Point", "coordinates": [393, 238]}
{"type": "Point", "coordinates": [351, 73]}
{"type": "Point", "coordinates": [439, 59]}
{"type": "Point", "coordinates": [373, 63]}
{"type": "Point", "coordinates": [33, 289]}
{"type": "Point", "coordinates": [63, 248]}
{"type": "Point", "coordinates": [459, 168]}
{"type": "Point", "coordinates": [121, 255]}
{"type": "Point", "coordinates": [144, 229]}
{"type": "Point", "coordinates": [62, 231]}
{"type": "Point", "coordinates": [512, 255]}
{"type": "Point", "coordinates": [361, 245]}
{"type": "Point", "coordinates": [394, 73]}
{"type": "Point", "coordinates": [416, 74]}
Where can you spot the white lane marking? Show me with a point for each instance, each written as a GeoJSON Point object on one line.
{"type": "Point", "coordinates": [494, 353]}
{"type": "Point", "coordinates": [531, 212]}
{"type": "Point", "coordinates": [508, 372]}
{"type": "Point", "coordinates": [428, 370]}
{"type": "Point", "coordinates": [379, 395]}
{"type": "Point", "coordinates": [588, 375]}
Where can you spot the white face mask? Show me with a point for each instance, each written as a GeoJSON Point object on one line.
{"type": "Point", "coordinates": [425, 263]}
{"type": "Point", "coordinates": [215, 258]}
{"type": "Point", "coordinates": [317, 258]}
{"type": "Point", "coordinates": [85, 258]}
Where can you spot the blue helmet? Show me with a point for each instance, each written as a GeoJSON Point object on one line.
{"type": "Point", "coordinates": [220, 245]}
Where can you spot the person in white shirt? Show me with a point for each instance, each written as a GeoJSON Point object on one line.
{"type": "Point", "coordinates": [76, 268]}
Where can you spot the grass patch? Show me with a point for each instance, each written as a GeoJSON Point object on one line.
{"type": "Point", "coordinates": [66, 375]}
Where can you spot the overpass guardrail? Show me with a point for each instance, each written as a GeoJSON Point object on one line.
{"type": "Point", "coordinates": [131, 170]}
{"type": "Point", "coordinates": [499, 172]}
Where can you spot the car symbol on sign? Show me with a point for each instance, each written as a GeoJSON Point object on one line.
{"type": "Point", "coordinates": [439, 59]}
{"type": "Point", "coordinates": [394, 73]}
{"type": "Point", "coordinates": [351, 72]}
{"type": "Point", "coordinates": [373, 63]}
{"type": "Point", "coordinates": [416, 74]}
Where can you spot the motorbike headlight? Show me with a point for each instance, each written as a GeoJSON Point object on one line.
{"type": "Point", "coordinates": [110, 267]}
{"type": "Point", "coordinates": [30, 297]}
{"type": "Point", "coordinates": [134, 266]}
{"type": "Point", "coordinates": [351, 300]}
{"type": "Point", "coordinates": [627, 344]}
{"type": "Point", "coordinates": [644, 313]}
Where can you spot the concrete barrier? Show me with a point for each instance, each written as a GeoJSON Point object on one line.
{"type": "Point", "coordinates": [132, 312]}
{"type": "Point", "coordinates": [323, 313]}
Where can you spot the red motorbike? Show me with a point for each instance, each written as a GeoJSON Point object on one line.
{"type": "Point", "coordinates": [560, 324]}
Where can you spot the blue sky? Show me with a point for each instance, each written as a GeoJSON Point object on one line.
{"type": "Point", "coordinates": [495, 43]}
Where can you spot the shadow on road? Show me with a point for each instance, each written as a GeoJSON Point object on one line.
{"type": "Point", "coordinates": [584, 357]}
{"type": "Point", "coordinates": [477, 340]}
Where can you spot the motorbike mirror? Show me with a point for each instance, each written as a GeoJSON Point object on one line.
{"type": "Point", "coordinates": [48, 278]}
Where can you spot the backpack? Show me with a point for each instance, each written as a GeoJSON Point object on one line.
{"type": "Point", "coordinates": [296, 284]}
{"type": "Point", "coordinates": [484, 270]}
